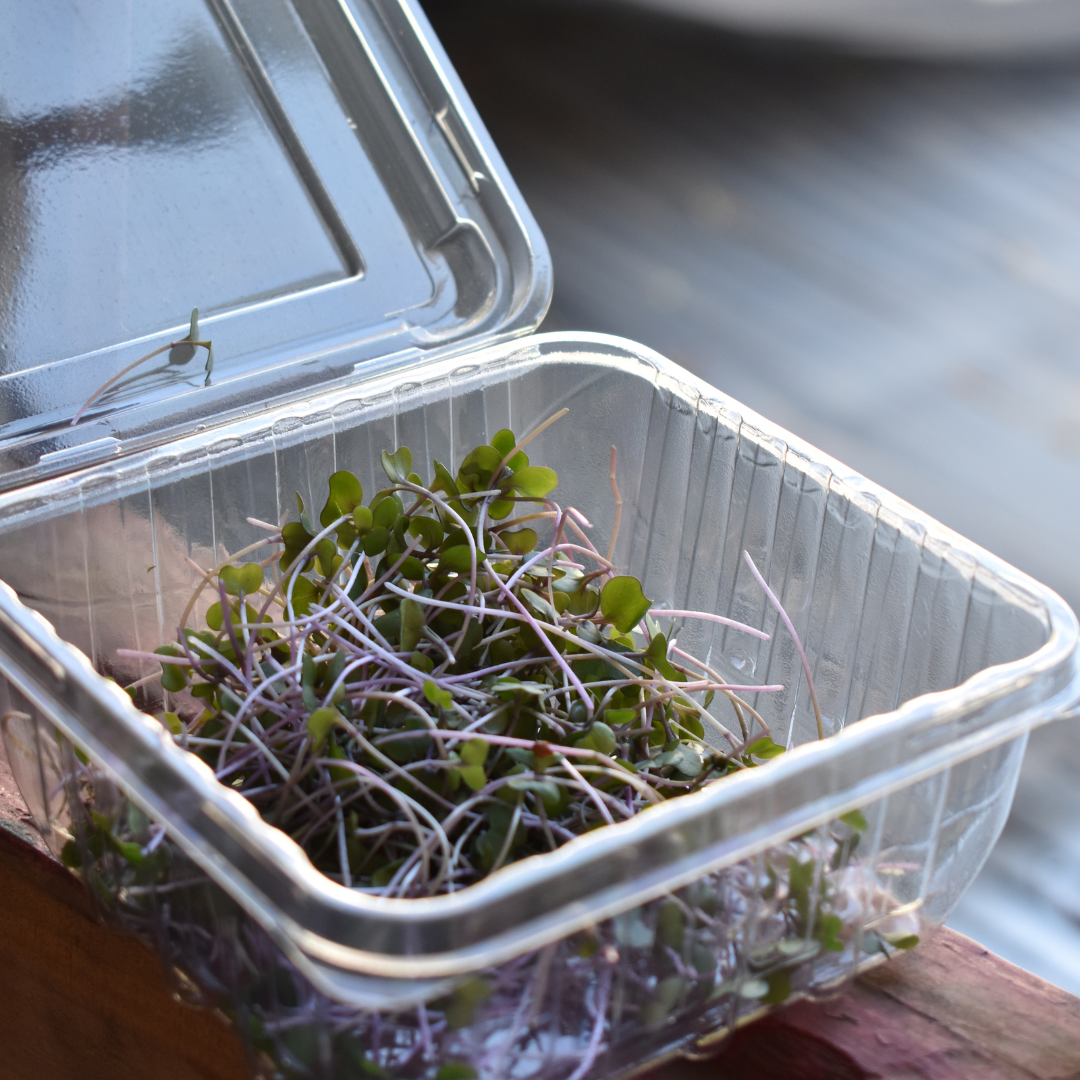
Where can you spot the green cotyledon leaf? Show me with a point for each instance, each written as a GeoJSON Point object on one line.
{"type": "Point", "coordinates": [443, 699]}
{"type": "Point", "coordinates": [474, 752]}
{"type": "Point", "coordinates": [303, 592]}
{"type": "Point", "coordinates": [456, 559]}
{"type": "Point", "coordinates": [686, 759]}
{"type": "Point", "coordinates": [304, 519]}
{"type": "Point", "coordinates": [244, 579]}
{"type": "Point", "coordinates": [765, 748]}
{"type": "Point", "coordinates": [474, 776]}
{"type": "Point", "coordinates": [623, 603]}
{"type": "Point", "coordinates": [548, 791]}
{"type": "Point", "coordinates": [173, 676]}
{"type": "Point", "coordinates": [656, 655]}
{"type": "Point", "coordinates": [397, 465]}
{"type": "Point", "coordinates": [826, 931]}
{"type": "Point", "coordinates": [534, 481]}
{"type": "Point", "coordinates": [477, 468]}
{"type": "Point", "coordinates": [321, 721]}
{"type": "Point", "coordinates": [363, 519]}
{"type": "Point", "coordinates": [346, 494]}
{"type": "Point", "coordinates": [504, 441]}
{"type": "Point", "coordinates": [412, 624]}
{"type": "Point", "coordinates": [172, 722]}
{"type": "Point", "coordinates": [443, 480]}
{"type": "Point", "coordinates": [519, 541]}
{"type": "Point", "coordinates": [385, 511]}
{"type": "Point", "coordinates": [296, 538]}
{"type": "Point", "coordinates": [600, 737]}
{"type": "Point", "coordinates": [906, 941]}
{"type": "Point", "coordinates": [427, 530]}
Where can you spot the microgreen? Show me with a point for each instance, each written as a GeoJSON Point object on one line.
{"type": "Point", "coordinates": [426, 686]}
{"type": "Point", "coordinates": [400, 635]}
{"type": "Point", "coordinates": [180, 352]}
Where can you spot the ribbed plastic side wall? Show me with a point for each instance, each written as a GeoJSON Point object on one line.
{"type": "Point", "coordinates": [885, 612]}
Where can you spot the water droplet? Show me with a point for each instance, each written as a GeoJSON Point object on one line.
{"type": "Point", "coordinates": [743, 663]}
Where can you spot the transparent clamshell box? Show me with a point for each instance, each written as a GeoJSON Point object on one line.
{"type": "Point", "coordinates": [312, 175]}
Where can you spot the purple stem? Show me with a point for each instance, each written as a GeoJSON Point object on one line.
{"type": "Point", "coordinates": [555, 655]}
{"type": "Point", "coordinates": [794, 636]}
{"type": "Point", "coordinates": [599, 1023]}
{"type": "Point", "coordinates": [657, 613]}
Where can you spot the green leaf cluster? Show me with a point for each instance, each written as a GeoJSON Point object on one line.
{"type": "Point", "coordinates": [447, 594]}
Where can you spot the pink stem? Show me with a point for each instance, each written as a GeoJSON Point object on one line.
{"type": "Point", "coordinates": [794, 637]}
{"type": "Point", "coordinates": [658, 613]}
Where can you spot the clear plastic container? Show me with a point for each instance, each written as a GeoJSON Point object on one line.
{"type": "Point", "coordinates": [310, 173]}
{"type": "Point", "coordinates": [932, 661]}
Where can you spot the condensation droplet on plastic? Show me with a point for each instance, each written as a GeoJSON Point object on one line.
{"type": "Point", "coordinates": [743, 663]}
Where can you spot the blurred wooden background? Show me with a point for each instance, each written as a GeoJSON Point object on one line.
{"type": "Point", "coordinates": [883, 256]}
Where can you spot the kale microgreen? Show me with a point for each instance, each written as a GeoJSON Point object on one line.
{"type": "Point", "coordinates": [449, 677]}
{"type": "Point", "coordinates": [400, 634]}
{"type": "Point", "coordinates": [180, 352]}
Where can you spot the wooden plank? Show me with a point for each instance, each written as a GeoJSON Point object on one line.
{"type": "Point", "coordinates": [80, 1002]}
{"type": "Point", "coordinates": [950, 1010]}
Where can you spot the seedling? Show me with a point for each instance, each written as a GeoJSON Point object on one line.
{"type": "Point", "coordinates": [427, 686]}
{"type": "Point", "coordinates": [180, 352]}
{"type": "Point", "coordinates": [504, 694]}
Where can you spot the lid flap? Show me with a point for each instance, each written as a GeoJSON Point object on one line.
{"type": "Point", "coordinates": [306, 173]}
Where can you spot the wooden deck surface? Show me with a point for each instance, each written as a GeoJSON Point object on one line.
{"type": "Point", "coordinates": [882, 256]}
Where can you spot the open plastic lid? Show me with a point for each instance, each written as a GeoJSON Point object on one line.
{"type": "Point", "coordinates": [309, 174]}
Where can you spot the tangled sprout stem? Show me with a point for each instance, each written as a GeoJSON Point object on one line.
{"type": "Point", "coordinates": [420, 690]}
{"type": "Point", "coordinates": [180, 352]}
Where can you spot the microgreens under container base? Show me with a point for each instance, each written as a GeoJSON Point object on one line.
{"type": "Point", "coordinates": [932, 660]}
